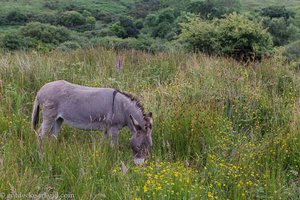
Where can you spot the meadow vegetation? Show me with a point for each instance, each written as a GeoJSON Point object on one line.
{"type": "Point", "coordinates": [220, 76]}
{"type": "Point", "coordinates": [222, 129]}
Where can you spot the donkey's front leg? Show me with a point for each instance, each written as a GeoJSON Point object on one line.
{"type": "Point", "coordinates": [113, 131]}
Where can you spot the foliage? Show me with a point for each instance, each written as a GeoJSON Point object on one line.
{"type": "Point", "coordinates": [162, 24]}
{"type": "Point", "coordinates": [45, 33]}
{"type": "Point", "coordinates": [13, 41]}
{"type": "Point", "coordinates": [234, 36]}
{"type": "Point", "coordinates": [278, 21]}
{"type": "Point", "coordinates": [71, 19]}
{"type": "Point", "coordinates": [277, 12]}
{"type": "Point", "coordinates": [46, 18]}
{"type": "Point", "coordinates": [281, 30]}
{"type": "Point", "coordinates": [210, 9]}
{"type": "Point", "coordinates": [15, 17]}
{"type": "Point", "coordinates": [144, 7]}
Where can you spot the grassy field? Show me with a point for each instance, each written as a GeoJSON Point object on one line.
{"type": "Point", "coordinates": [222, 130]}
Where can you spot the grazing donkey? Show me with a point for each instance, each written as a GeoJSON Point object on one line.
{"type": "Point", "coordinates": [92, 108]}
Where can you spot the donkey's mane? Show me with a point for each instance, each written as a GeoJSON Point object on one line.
{"type": "Point", "coordinates": [135, 100]}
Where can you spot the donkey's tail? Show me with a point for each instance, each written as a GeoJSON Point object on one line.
{"type": "Point", "coordinates": [35, 114]}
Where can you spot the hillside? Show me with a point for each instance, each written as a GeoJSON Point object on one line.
{"type": "Point", "coordinates": [148, 25]}
{"type": "Point", "coordinates": [293, 5]}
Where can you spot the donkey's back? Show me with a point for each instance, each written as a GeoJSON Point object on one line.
{"type": "Point", "coordinates": [79, 106]}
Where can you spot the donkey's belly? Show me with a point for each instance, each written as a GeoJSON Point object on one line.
{"type": "Point", "coordinates": [87, 126]}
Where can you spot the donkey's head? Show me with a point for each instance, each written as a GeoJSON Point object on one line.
{"type": "Point", "coordinates": [141, 140]}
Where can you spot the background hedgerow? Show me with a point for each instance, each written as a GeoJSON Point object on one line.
{"type": "Point", "coordinates": [222, 130]}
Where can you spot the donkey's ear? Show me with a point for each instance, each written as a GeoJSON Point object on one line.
{"type": "Point", "coordinates": [135, 123]}
{"type": "Point", "coordinates": [149, 115]}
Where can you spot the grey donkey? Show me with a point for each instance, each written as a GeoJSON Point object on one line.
{"type": "Point", "coordinates": [91, 108]}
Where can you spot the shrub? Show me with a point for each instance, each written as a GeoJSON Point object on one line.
{"type": "Point", "coordinates": [162, 24]}
{"type": "Point", "coordinates": [12, 41]}
{"type": "Point", "coordinates": [71, 19]}
{"type": "Point", "coordinates": [125, 28]}
{"type": "Point", "coordinates": [15, 17]}
{"type": "Point", "coordinates": [242, 38]}
{"type": "Point", "coordinates": [45, 33]}
{"type": "Point", "coordinates": [233, 36]}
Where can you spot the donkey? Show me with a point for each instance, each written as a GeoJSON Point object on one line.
{"type": "Point", "coordinates": [91, 108]}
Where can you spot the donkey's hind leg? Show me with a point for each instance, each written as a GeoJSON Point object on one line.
{"type": "Point", "coordinates": [56, 127]}
{"type": "Point", "coordinates": [44, 129]}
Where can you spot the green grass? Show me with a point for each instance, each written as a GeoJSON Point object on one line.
{"type": "Point", "coordinates": [222, 130]}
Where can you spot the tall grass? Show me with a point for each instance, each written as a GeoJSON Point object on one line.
{"type": "Point", "coordinates": [222, 130]}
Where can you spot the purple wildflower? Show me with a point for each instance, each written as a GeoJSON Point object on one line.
{"type": "Point", "coordinates": [119, 65]}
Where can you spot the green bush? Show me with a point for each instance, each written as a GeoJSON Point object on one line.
{"type": "Point", "coordinates": [15, 17]}
{"type": "Point", "coordinates": [162, 24]}
{"type": "Point", "coordinates": [234, 36]}
{"type": "Point", "coordinates": [12, 41]}
{"type": "Point", "coordinates": [124, 28]}
{"type": "Point", "coordinates": [71, 19]}
{"type": "Point", "coordinates": [45, 33]}
{"type": "Point", "coordinates": [280, 29]}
